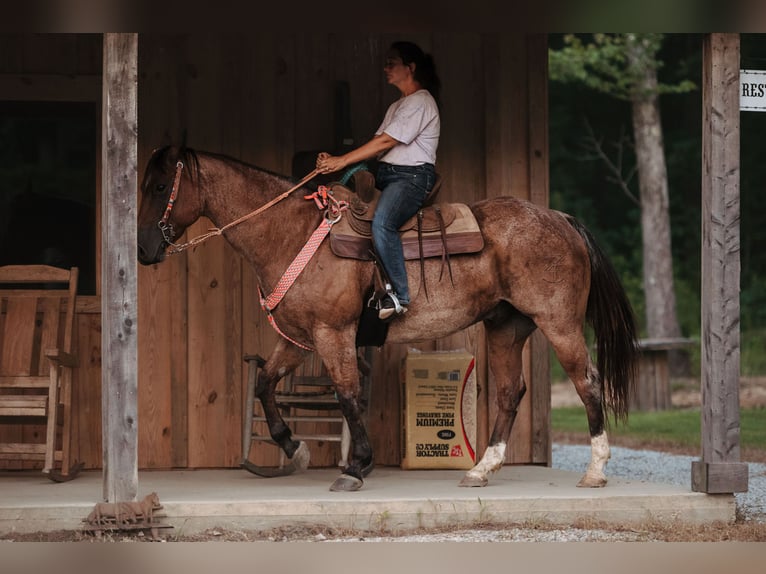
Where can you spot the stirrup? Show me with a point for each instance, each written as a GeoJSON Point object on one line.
{"type": "Point", "coordinates": [398, 309]}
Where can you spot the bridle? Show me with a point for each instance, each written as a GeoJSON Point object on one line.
{"type": "Point", "coordinates": [323, 200]}
{"type": "Point", "coordinates": [166, 228]}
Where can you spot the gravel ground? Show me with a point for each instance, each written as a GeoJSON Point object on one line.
{"type": "Point", "coordinates": [643, 465]}
{"type": "Point", "coordinates": [652, 466]}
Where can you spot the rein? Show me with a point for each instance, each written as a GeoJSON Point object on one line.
{"type": "Point", "coordinates": [212, 232]}
{"type": "Point", "coordinates": [323, 200]}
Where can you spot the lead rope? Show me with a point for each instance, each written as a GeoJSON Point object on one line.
{"type": "Point", "coordinates": [333, 210]}
{"type": "Point", "coordinates": [324, 200]}
{"type": "Point", "coordinates": [176, 248]}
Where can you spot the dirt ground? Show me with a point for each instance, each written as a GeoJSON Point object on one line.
{"type": "Point", "coordinates": [587, 531]}
{"type": "Point", "coordinates": [686, 394]}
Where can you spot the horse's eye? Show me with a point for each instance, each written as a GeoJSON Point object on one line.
{"type": "Point", "coordinates": [160, 188]}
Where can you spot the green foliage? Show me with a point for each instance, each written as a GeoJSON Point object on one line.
{"type": "Point", "coordinates": [580, 183]}
{"type": "Point", "coordinates": [613, 64]}
{"type": "Point", "coordinates": [682, 427]}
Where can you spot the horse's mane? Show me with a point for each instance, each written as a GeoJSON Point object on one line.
{"type": "Point", "coordinates": [190, 159]}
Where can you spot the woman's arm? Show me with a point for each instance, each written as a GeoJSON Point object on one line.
{"type": "Point", "coordinates": [327, 163]}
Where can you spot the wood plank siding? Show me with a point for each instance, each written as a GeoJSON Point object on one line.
{"type": "Point", "coordinates": [263, 98]}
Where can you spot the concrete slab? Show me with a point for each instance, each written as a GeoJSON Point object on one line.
{"type": "Point", "coordinates": [195, 500]}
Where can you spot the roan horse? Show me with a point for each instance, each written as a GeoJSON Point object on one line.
{"type": "Point", "coordinates": [539, 268]}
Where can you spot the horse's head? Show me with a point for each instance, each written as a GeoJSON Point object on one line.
{"type": "Point", "coordinates": [170, 201]}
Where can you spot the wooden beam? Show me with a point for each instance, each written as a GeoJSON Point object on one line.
{"type": "Point", "coordinates": [719, 470]}
{"type": "Point", "coordinates": [119, 302]}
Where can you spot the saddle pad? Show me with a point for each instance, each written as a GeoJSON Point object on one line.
{"type": "Point", "coordinates": [462, 236]}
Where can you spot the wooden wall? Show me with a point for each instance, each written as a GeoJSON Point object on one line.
{"type": "Point", "coordinates": [262, 98]}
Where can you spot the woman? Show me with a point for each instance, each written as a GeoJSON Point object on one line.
{"type": "Point", "coordinates": [405, 145]}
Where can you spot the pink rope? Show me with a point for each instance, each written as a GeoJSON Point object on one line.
{"type": "Point", "coordinates": [298, 264]}
{"type": "Point", "coordinates": [278, 330]}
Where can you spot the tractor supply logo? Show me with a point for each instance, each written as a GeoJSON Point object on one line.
{"type": "Point", "coordinates": [429, 450]}
{"type": "Point", "coordinates": [456, 451]}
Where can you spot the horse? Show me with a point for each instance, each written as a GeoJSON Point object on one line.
{"type": "Point", "coordinates": [539, 268]}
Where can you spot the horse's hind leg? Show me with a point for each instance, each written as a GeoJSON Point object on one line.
{"type": "Point", "coordinates": [572, 352]}
{"type": "Point", "coordinates": [285, 358]}
{"type": "Point", "coordinates": [505, 341]}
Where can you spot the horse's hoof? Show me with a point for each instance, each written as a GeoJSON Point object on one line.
{"type": "Point", "coordinates": [473, 480]}
{"type": "Point", "coordinates": [591, 481]}
{"type": "Point", "coordinates": [301, 458]}
{"type": "Point", "coordinates": [346, 483]}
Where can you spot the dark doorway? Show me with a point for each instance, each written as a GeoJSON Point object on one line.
{"type": "Point", "coordinates": [48, 186]}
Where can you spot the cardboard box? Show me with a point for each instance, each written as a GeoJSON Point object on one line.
{"type": "Point", "coordinates": [438, 410]}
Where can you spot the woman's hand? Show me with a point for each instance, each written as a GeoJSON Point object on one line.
{"type": "Point", "coordinates": [327, 163]}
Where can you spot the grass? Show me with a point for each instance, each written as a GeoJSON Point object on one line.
{"type": "Point", "coordinates": [681, 427]}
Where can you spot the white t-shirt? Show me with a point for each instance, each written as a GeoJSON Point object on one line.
{"type": "Point", "coordinates": [414, 122]}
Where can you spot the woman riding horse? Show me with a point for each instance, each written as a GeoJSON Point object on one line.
{"type": "Point", "coordinates": [539, 269]}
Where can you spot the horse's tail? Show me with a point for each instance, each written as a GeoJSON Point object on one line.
{"type": "Point", "coordinates": [610, 314]}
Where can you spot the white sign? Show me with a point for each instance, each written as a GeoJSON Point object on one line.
{"type": "Point", "coordinates": [752, 90]}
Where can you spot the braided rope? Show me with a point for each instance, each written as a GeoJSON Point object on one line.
{"type": "Point", "coordinates": [273, 323]}
{"type": "Point", "coordinates": [297, 265]}
{"type": "Point", "coordinates": [334, 209]}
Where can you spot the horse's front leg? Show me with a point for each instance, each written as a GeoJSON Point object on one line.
{"type": "Point", "coordinates": [285, 358]}
{"type": "Point", "coordinates": [338, 352]}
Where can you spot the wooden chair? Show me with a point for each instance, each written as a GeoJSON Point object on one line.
{"type": "Point", "coordinates": [309, 406]}
{"type": "Point", "coordinates": [37, 310]}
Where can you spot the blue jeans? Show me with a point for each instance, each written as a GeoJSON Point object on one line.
{"type": "Point", "coordinates": [404, 188]}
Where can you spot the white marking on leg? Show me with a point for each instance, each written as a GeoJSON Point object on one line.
{"type": "Point", "coordinates": [302, 457]}
{"type": "Point", "coordinates": [492, 460]}
{"type": "Point", "coordinates": [599, 456]}
{"type": "Point", "coordinates": [599, 446]}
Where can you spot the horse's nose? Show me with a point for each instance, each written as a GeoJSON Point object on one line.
{"type": "Point", "coordinates": [143, 256]}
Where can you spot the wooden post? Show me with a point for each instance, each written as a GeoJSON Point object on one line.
{"type": "Point", "coordinates": [539, 381]}
{"type": "Point", "coordinates": [119, 297]}
{"type": "Point", "coordinates": [719, 470]}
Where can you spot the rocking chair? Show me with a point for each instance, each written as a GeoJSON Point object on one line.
{"type": "Point", "coordinates": [37, 309]}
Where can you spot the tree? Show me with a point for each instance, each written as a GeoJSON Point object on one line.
{"type": "Point", "coordinates": [625, 66]}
